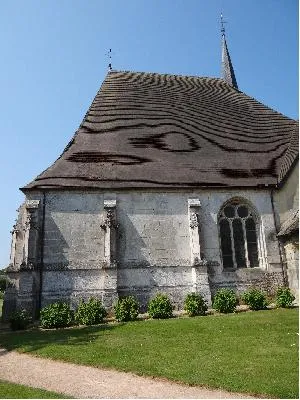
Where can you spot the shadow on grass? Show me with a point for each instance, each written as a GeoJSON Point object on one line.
{"type": "Point", "coordinates": [35, 339]}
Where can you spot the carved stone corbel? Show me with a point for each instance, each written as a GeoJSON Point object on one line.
{"type": "Point", "coordinates": [193, 213]}
{"type": "Point", "coordinates": [109, 226]}
{"type": "Point", "coordinates": [31, 234]}
{"type": "Point", "coordinates": [199, 275]}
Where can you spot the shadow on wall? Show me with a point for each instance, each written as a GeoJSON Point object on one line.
{"type": "Point", "coordinates": [137, 275]}
{"type": "Point", "coordinates": [55, 263]}
{"type": "Point", "coordinates": [209, 240]}
{"type": "Point", "coordinates": [55, 246]}
{"type": "Point", "coordinates": [132, 249]}
{"type": "Point", "coordinates": [75, 267]}
{"type": "Point", "coordinates": [132, 254]}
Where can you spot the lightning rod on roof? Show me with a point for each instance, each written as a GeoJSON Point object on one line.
{"type": "Point", "coordinates": [109, 59]}
{"type": "Point", "coordinates": [222, 25]}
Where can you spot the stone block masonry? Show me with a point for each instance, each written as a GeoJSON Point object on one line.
{"type": "Point", "coordinates": [109, 244]}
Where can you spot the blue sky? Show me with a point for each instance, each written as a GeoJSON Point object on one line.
{"type": "Point", "coordinates": [53, 63]}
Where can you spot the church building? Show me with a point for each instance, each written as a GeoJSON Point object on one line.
{"type": "Point", "coordinates": [171, 184]}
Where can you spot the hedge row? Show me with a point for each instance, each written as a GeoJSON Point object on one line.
{"type": "Point", "coordinates": [92, 312]}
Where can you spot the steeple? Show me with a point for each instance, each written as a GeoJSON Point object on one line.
{"type": "Point", "coordinates": [227, 68]}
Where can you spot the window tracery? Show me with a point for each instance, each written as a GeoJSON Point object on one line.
{"type": "Point", "coordinates": [237, 226]}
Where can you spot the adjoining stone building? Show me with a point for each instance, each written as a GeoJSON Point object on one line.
{"type": "Point", "coordinates": [170, 184]}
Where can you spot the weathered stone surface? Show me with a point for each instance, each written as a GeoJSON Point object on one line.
{"type": "Point", "coordinates": [292, 262]}
{"type": "Point", "coordinates": [286, 201]}
{"type": "Point", "coordinates": [101, 244]}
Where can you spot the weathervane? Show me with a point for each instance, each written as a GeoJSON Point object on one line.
{"type": "Point", "coordinates": [222, 25]}
{"type": "Point", "coordinates": [109, 59]}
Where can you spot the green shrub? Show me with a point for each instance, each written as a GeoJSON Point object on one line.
{"type": "Point", "coordinates": [255, 299]}
{"type": "Point", "coordinates": [225, 301]}
{"type": "Point", "coordinates": [1, 295]}
{"type": "Point", "coordinates": [160, 307]}
{"type": "Point", "coordinates": [3, 281]}
{"type": "Point", "coordinates": [284, 297]}
{"type": "Point", "coordinates": [19, 320]}
{"type": "Point", "coordinates": [56, 315]}
{"type": "Point", "coordinates": [126, 309]}
{"type": "Point", "coordinates": [194, 304]}
{"type": "Point", "coordinates": [90, 313]}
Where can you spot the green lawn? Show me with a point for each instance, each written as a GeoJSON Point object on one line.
{"type": "Point", "coordinates": [14, 391]}
{"type": "Point", "coordinates": [253, 352]}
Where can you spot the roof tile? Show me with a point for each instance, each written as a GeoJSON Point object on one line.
{"type": "Point", "coordinates": [154, 130]}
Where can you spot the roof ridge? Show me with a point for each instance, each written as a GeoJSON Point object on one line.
{"type": "Point", "coordinates": [168, 74]}
{"type": "Point", "coordinates": [266, 106]}
{"type": "Point", "coordinates": [203, 77]}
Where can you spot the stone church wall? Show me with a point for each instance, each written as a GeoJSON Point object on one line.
{"type": "Point", "coordinates": [286, 201]}
{"type": "Point", "coordinates": [287, 198]}
{"type": "Point", "coordinates": [138, 242]}
{"type": "Point", "coordinates": [74, 262]}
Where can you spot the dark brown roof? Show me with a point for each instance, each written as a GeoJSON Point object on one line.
{"type": "Point", "coordinates": [153, 130]}
{"type": "Point", "coordinates": [290, 156]}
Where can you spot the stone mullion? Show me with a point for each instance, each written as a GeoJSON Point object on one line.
{"type": "Point", "coordinates": [245, 243]}
{"type": "Point", "coordinates": [232, 243]}
{"type": "Point", "coordinates": [261, 247]}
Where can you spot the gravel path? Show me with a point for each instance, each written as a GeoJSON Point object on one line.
{"type": "Point", "coordinates": [87, 382]}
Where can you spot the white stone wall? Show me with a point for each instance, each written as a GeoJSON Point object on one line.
{"type": "Point", "coordinates": [154, 229]}
{"type": "Point", "coordinates": [152, 244]}
{"type": "Point", "coordinates": [73, 236]}
{"type": "Point", "coordinates": [292, 262]}
{"type": "Point", "coordinates": [287, 198]}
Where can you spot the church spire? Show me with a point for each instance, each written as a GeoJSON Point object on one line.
{"type": "Point", "coordinates": [227, 68]}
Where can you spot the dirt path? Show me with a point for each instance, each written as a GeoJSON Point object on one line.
{"type": "Point", "coordinates": [87, 382]}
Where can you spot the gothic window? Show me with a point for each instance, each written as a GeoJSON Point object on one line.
{"type": "Point", "coordinates": [237, 225]}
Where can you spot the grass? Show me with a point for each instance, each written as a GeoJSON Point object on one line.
{"type": "Point", "coordinates": [252, 352]}
{"type": "Point", "coordinates": [15, 391]}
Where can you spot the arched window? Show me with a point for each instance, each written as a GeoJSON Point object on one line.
{"type": "Point", "coordinates": [237, 224]}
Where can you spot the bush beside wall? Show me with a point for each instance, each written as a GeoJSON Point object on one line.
{"type": "Point", "coordinates": [284, 297]}
{"type": "Point", "coordinates": [225, 301]}
{"type": "Point", "coordinates": [194, 304]}
{"type": "Point", "coordinates": [126, 309]}
{"type": "Point", "coordinates": [91, 312]}
{"type": "Point", "coordinates": [56, 315]}
{"type": "Point", "coordinates": [160, 307]}
{"type": "Point", "coordinates": [256, 299]}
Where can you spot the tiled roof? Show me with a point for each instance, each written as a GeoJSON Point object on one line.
{"type": "Point", "coordinates": [291, 155]}
{"type": "Point", "coordinates": [154, 130]}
